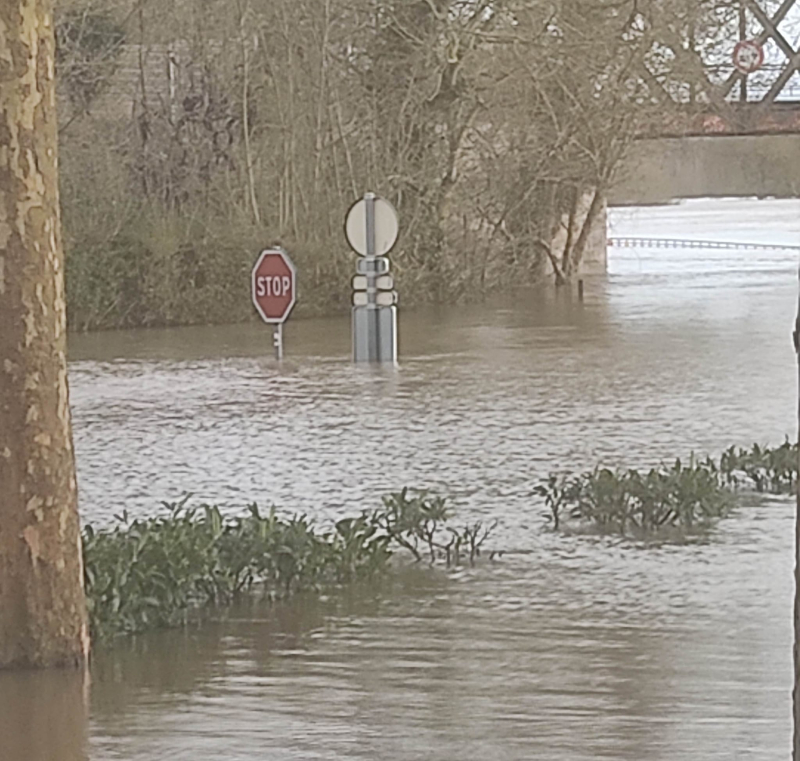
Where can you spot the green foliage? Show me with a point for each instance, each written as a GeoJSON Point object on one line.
{"type": "Point", "coordinates": [772, 470]}
{"type": "Point", "coordinates": [164, 268]}
{"type": "Point", "coordinates": [154, 572]}
{"type": "Point", "coordinates": [681, 496]}
{"type": "Point", "coordinates": [558, 493]}
{"type": "Point", "coordinates": [415, 519]}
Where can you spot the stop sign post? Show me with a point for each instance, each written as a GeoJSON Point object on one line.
{"type": "Point", "coordinates": [274, 290]}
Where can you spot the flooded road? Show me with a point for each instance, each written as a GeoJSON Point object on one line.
{"type": "Point", "coordinates": [566, 648]}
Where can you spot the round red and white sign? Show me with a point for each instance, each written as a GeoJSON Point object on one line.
{"type": "Point", "coordinates": [748, 56]}
{"type": "Point", "coordinates": [274, 285]}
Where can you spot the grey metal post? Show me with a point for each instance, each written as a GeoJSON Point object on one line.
{"type": "Point", "coordinates": [372, 289]}
{"type": "Point", "coordinates": [796, 645]}
{"type": "Point", "coordinates": [369, 201]}
{"type": "Point", "coordinates": [374, 322]}
{"type": "Point", "coordinates": [277, 339]}
{"type": "Point", "coordinates": [742, 36]}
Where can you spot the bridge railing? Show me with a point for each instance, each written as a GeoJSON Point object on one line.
{"type": "Point", "coordinates": [618, 241]}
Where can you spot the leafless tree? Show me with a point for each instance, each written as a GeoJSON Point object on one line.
{"type": "Point", "coordinates": [496, 127]}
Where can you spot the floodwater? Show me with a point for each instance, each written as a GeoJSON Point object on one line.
{"type": "Point", "coordinates": [566, 648]}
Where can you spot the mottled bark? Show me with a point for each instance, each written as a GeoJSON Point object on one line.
{"type": "Point", "coordinates": [42, 606]}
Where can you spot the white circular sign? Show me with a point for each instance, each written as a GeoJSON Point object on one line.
{"type": "Point", "coordinates": [386, 226]}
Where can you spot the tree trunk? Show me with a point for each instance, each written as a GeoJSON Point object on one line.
{"type": "Point", "coordinates": [572, 259]}
{"type": "Point", "coordinates": [42, 606]}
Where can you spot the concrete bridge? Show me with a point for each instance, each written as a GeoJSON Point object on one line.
{"type": "Point", "coordinates": [660, 170]}
{"type": "Point", "coordinates": [740, 137]}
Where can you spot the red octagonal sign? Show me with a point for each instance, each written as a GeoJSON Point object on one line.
{"type": "Point", "coordinates": [274, 285]}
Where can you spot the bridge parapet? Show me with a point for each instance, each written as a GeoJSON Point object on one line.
{"type": "Point", "coordinates": [737, 119]}
{"type": "Point", "coordinates": [665, 169]}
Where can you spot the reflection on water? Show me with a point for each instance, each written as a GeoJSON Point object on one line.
{"type": "Point", "coordinates": [584, 649]}
{"type": "Point", "coordinates": [43, 716]}
{"type": "Point", "coordinates": [566, 648]}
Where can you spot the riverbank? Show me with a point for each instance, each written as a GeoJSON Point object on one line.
{"type": "Point", "coordinates": [161, 281]}
{"type": "Point", "coordinates": [206, 281]}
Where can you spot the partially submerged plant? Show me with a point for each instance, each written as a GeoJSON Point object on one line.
{"type": "Point", "coordinates": [151, 572]}
{"type": "Point", "coordinates": [415, 519]}
{"type": "Point", "coordinates": [682, 496]}
{"type": "Point", "coordinates": [769, 469]}
{"type": "Point", "coordinates": [557, 492]}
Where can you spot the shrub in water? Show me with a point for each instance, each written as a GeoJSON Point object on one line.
{"type": "Point", "coordinates": [769, 469]}
{"type": "Point", "coordinates": [416, 519]}
{"type": "Point", "coordinates": [152, 572]}
{"type": "Point", "coordinates": [683, 496]}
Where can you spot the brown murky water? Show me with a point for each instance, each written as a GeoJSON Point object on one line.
{"type": "Point", "coordinates": [566, 648]}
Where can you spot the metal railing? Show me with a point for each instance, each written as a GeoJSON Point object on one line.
{"type": "Point", "coordinates": [632, 242]}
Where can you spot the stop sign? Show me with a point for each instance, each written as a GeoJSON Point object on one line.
{"type": "Point", "coordinates": [274, 287]}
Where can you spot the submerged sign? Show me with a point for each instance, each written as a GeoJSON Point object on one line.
{"type": "Point", "coordinates": [273, 286]}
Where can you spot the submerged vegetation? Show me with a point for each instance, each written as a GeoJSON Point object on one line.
{"type": "Point", "coordinates": [153, 572]}
{"type": "Point", "coordinates": [683, 496]}
{"type": "Point", "coordinates": [771, 470]}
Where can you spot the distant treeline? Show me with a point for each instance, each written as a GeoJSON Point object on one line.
{"type": "Point", "coordinates": [192, 134]}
